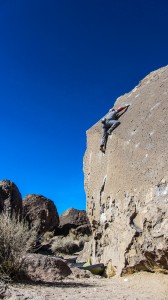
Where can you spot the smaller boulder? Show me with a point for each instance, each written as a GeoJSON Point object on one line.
{"type": "Point", "coordinates": [38, 267]}
{"type": "Point", "coordinates": [42, 211]}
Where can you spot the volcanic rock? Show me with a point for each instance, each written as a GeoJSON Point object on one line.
{"type": "Point", "coordinates": [127, 186]}
{"type": "Point", "coordinates": [10, 197]}
{"type": "Point", "coordinates": [72, 218]}
{"type": "Point", "coordinates": [41, 210]}
{"type": "Point", "coordinates": [38, 267]}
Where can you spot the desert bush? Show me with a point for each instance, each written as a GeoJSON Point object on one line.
{"type": "Point", "coordinates": [74, 235]}
{"type": "Point", "coordinates": [69, 244]}
{"type": "Point", "coordinates": [16, 238]}
{"type": "Point", "coordinates": [47, 236]}
{"type": "Point", "coordinates": [64, 245]}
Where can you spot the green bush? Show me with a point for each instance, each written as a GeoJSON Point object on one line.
{"type": "Point", "coordinates": [16, 238]}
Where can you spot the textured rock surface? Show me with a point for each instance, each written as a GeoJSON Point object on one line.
{"type": "Point", "coordinates": [10, 197]}
{"type": "Point", "coordinates": [79, 273]}
{"type": "Point", "coordinates": [74, 216]}
{"type": "Point", "coordinates": [38, 267]}
{"type": "Point", "coordinates": [127, 187]}
{"type": "Point", "coordinates": [37, 208]}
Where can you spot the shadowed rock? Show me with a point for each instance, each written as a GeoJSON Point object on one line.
{"type": "Point", "coordinates": [127, 187]}
{"type": "Point", "coordinates": [38, 209]}
{"type": "Point", "coordinates": [10, 197]}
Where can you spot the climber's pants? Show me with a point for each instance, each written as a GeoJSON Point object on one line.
{"type": "Point", "coordinates": [107, 129]}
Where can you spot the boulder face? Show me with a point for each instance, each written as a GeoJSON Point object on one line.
{"type": "Point", "coordinates": [10, 198]}
{"type": "Point", "coordinates": [74, 217]}
{"type": "Point", "coordinates": [127, 187]}
{"type": "Point", "coordinates": [38, 267]}
{"type": "Point", "coordinates": [41, 210]}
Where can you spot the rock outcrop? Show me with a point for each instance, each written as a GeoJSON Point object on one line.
{"type": "Point", "coordinates": [10, 198]}
{"type": "Point", "coordinates": [41, 210]}
{"type": "Point", "coordinates": [127, 187]}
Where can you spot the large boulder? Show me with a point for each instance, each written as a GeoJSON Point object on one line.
{"type": "Point", "coordinates": [10, 198]}
{"type": "Point", "coordinates": [127, 187]}
{"type": "Point", "coordinates": [41, 210]}
{"type": "Point", "coordinates": [72, 218]}
{"type": "Point", "coordinates": [38, 267]}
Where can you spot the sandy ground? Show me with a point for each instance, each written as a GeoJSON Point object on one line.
{"type": "Point", "coordinates": [133, 287]}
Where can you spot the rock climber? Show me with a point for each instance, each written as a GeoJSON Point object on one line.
{"type": "Point", "coordinates": [109, 123]}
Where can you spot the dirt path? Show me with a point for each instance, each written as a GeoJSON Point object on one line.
{"type": "Point", "coordinates": [134, 287]}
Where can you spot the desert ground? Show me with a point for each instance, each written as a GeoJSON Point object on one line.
{"type": "Point", "coordinates": [133, 287]}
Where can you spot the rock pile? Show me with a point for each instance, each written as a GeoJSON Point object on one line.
{"type": "Point", "coordinates": [38, 210]}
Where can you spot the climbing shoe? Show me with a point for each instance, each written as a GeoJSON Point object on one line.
{"type": "Point", "coordinates": [102, 148]}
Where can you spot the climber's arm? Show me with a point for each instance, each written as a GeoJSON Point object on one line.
{"type": "Point", "coordinates": [122, 108]}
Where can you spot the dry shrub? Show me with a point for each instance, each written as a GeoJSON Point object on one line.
{"type": "Point", "coordinates": [47, 236]}
{"type": "Point", "coordinates": [16, 238]}
{"type": "Point", "coordinates": [69, 244]}
{"type": "Point", "coordinates": [64, 245]}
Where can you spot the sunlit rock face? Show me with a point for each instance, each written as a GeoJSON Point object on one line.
{"type": "Point", "coordinates": [127, 187]}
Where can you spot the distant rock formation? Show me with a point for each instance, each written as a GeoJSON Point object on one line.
{"type": "Point", "coordinates": [73, 218]}
{"type": "Point", "coordinates": [10, 197]}
{"type": "Point", "coordinates": [127, 187]}
{"type": "Point", "coordinates": [39, 209]}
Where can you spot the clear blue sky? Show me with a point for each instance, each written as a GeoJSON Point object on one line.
{"type": "Point", "coordinates": [62, 65]}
